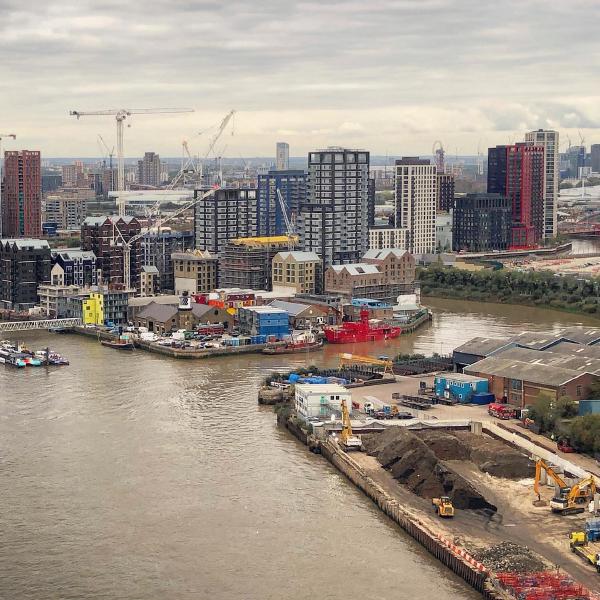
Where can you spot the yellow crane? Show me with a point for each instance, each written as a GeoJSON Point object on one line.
{"type": "Point", "coordinates": [570, 499]}
{"type": "Point", "coordinates": [348, 440]}
{"type": "Point", "coordinates": [355, 359]}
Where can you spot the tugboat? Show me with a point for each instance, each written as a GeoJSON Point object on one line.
{"type": "Point", "coordinates": [306, 343]}
{"type": "Point", "coordinates": [119, 344]}
{"type": "Point", "coordinates": [363, 331]}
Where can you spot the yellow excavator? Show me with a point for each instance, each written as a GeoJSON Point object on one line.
{"type": "Point", "coordinates": [570, 499]}
{"type": "Point", "coordinates": [347, 439]}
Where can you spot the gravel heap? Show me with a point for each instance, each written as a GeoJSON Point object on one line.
{"type": "Point", "coordinates": [510, 557]}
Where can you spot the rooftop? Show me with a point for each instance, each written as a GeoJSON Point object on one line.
{"type": "Point", "coordinates": [22, 243]}
{"type": "Point", "coordinates": [357, 269]}
{"type": "Point", "coordinates": [265, 309]}
{"type": "Point", "coordinates": [299, 256]}
{"type": "Point", "coordinates": [482, 346]}
{"type": "Point", "coordinates": [321, 388]}
{"type": "Point", "coordinates": [294, 308]}
{"type": "Point", "coordinates": [383, 253]}
{"type": "Point", "coordinates": [499, 366]}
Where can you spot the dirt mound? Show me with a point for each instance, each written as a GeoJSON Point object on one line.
{"type": "Point", "coordinates": [413, 463]}
{"type": "Point", "coordinates": [510, 557]}
{"type": "Point", "coordinates": [495, 457]}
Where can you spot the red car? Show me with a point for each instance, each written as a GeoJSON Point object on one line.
{"type": "Point", "coordinates": [564, 446]}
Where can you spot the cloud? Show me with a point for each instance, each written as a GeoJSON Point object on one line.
{"type": "Point", "coordinates": [388, 74]}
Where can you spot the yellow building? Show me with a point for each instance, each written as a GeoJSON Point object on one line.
{"type": "Point", "coordinates": [93, 309]}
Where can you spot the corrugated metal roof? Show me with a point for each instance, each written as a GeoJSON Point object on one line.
{"type": "Point", "coordinates": [357, 269]}
{"type": "Point", "coordinates": [383, 253]}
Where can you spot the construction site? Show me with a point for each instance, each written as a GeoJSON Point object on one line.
{"type": "Point", "coordinates": [500, 508]}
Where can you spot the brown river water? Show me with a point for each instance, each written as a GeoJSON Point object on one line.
{"type": "Point", "coordinates": [132, 475]}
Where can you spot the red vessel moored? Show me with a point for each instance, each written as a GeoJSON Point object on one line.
{"type": "Point", "coordinates": [363, 331]}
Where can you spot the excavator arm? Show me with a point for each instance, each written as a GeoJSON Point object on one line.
{"type": "Point", "coordinates": [539, 465]}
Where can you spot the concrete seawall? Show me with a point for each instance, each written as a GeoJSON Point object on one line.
{"type": "Point", "coordinates": [453, 557]}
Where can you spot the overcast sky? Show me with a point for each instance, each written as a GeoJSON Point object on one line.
{"type": "Point", "coordinates": [391, 76]}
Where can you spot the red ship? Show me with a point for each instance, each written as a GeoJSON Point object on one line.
{"type": "Point", "coordinates": [363, 331]}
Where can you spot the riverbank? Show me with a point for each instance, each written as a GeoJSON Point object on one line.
{"type": "Point", "coordinates": [512, 539]}
{"type": "Point", "coordinates": [536, 289]}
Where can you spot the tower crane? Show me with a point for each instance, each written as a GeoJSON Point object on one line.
{"type": "Point", "coordinates": [127, 244]}
{"type": "Point", "coordinates": [289, 226]}
{"type": "Point", "coordinates": [120, 115]}
{"type": "Point", "coordinates": [2, 136]}
{"type": "Point", "coordinates": [215, 138]}
{"type": "Point", "coordinates": [109, 153]}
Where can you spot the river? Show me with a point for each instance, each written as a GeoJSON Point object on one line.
{"type": "Point", "coordinates": [132, 475]}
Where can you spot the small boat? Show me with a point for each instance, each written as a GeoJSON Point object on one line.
{"type": "Point", "coordinates": [365, 330]}
{"type": "Point", "coordinates": [50, 357]}
{"type": "Point", "coordinates": [303, 343]}
{"type": "Point", "coordinates": [118, 344]}
{"type": "Point", "coordinates": [10, 358]}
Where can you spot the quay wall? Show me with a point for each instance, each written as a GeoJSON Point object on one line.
{"type": "Point", "coordinates": [453, 557]}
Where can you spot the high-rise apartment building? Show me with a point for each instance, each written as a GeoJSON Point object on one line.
{"type": "Point", "coordinates": [98, 235]}
{"type": "Point", "coordinates": [149, 170]}
{"type": "Point", "coordinates": [549, 141]}
{"type": "Point", "coordinates": [24, 264]}
{"type": "Point", "coordinates": [415, 202]}
{"type": "Point", "coordinates": [445, 192]}
{"type": "Point", "coordinates": [282, 156]}
{"type": "Point", "coordinates": [157, 250]}
{"type": "Point", "coordinates": [333, 222]}
{"type": "Point", "coordinates": [595, 158]}
{"type": "Point", "coordinates": [265, 217]}
{"type": "Point", "coordinates": [517, 172]}
{"type": "Point", "coordinates": [22, 194]}
{"type": "Point", "coordinates": [67, 207]}
{"type": "Point", "coordinates": [221, 217]}
{"type": "Point", "coordinates": [481, 223]}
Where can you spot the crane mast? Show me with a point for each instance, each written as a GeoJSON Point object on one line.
{"type": "Point", "coordinates": [120, 115]}
{"type": "Point", "coordinates": [127, 244]}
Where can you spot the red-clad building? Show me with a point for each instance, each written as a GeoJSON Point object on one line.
{"type": "Point", "coordinates": [22, 194]}
{"type": "Point", "coordinates": [517, 172]}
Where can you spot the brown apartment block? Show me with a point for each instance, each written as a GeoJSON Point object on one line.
{"type": "Point", "coordinates": [101, 236]}
{"type": "Point", "coordinates": [382, 275]}
{"type": "Point", "coordinates": [22, 194]}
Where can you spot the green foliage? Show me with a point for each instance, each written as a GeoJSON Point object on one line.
{"type": "Point", "coordinates": [533, 288]}
{"type": "Point", "coordinates": [585, 433]}
{"type": "Point", "coordinates": [405, 357]}
{"type": "Point", "coordinates": [546, 411]}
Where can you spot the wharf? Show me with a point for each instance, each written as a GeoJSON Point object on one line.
{"type": "Point", "coordinates": [183, 353]}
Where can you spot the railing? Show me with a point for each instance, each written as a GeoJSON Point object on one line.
{"type": "Point", "coordinates": [48, 324]}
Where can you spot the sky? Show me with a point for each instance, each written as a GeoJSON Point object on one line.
{"type": "Point", "coordinates": [391, 76]}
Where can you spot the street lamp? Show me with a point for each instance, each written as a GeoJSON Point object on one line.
{"type": "Point", "coordinates": [14, 137]}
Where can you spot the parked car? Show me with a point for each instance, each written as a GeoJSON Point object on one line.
{"type": "Point", "coordinates": [404, 415]}
{"type": "Point", "coordinates": [564, 445]}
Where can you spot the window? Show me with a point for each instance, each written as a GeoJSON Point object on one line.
{"type": "Point", "coordinates": [578, 391]}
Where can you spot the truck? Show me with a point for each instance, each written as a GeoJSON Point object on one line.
{"type": "Point", "coordinates": [584, 547]}
{"type": "Point", "coordinates": [443, 507]}
{"type": "Point", "coordinates": [373, 404]}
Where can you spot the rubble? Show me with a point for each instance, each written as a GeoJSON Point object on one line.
{"type": "Point", "coordinates": [510, 557]}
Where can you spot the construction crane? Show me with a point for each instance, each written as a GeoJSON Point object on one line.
{"type": "Point", "coordinates": [128, 244]}
{"type": "Point", "coordinates": [347, 439]}
{"type": "Point", "coordinates": [570, 499]}
{"type": "Point", "coordinates": [439, 156]}
{"type": "Point", "coordinates": [120, 116]}
{"type": "Point", "coordinates": [289, 226]}
{"type": "Point", "coordinates": [215, 139]}
{"type": "Point", "coordinates": [354, 359]}
{"type": "Point", "coordinates": [2, 136]}
{"type": "Point", "coordinates": [106, 152]}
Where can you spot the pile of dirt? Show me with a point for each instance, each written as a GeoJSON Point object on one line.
{"type": "Point", "coordinates": [413, 463]}
{"type": "Point", "coordinates": [510, 557]}
{"type": "Point", "coordinates": [493, 456]}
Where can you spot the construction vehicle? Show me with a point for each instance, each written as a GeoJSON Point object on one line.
{"type": "Point", "coordinates": [584, 547]}
{"type": "Point", "coordinates": [443, 507]}
{"type": "Point", "coordinates": [570, 499]}
{"type": "Point", "coordinates": [347, 439]}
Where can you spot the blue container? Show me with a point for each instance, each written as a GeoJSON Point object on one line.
{"type": "Point", "coordinates": [483, 398]}
{"type": "Point", "coordinates": [589, 407]}
{"type": "Point", "coordinates": [459, 387]}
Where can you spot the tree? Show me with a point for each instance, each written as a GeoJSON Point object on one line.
{"type": "Point", "coordinates": [585, 433]}
{"type": "Point", "coordinates": [547, 410]}
{"type": "Point", "coordinates": [595, 389]}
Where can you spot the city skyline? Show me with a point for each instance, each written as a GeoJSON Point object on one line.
{"type": "Point", "coordinates": [389, 76]}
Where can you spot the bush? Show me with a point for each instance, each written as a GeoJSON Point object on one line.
{"type": "Point", "coordinates": [585, 433]}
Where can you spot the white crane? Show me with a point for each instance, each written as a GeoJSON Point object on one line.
{"type": "Point", "coordinates": [289, 226]}
{"type": "Point", "coordinates": [2, 136]}
{"type": "Point", "coordinates": [120, 116]}
{"type": "Point", "coordinates": [106, 152]}
{"type": "Point", "coordinates": [216, 137]}
{"type": "Point", "coordinates": [127, 244]}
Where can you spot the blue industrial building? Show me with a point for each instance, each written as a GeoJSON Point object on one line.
{"type": "Point", "coordinates": [459, 387]}
{"type": "Point", "coordinates": [269, 217]}
{"type": "Point", "coordinates": [589, 407]}
{"type": "Point", "coordinates": [264, 321]}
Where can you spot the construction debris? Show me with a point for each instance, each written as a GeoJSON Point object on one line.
{"type": "Point", "coordinates": [508, 557]}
